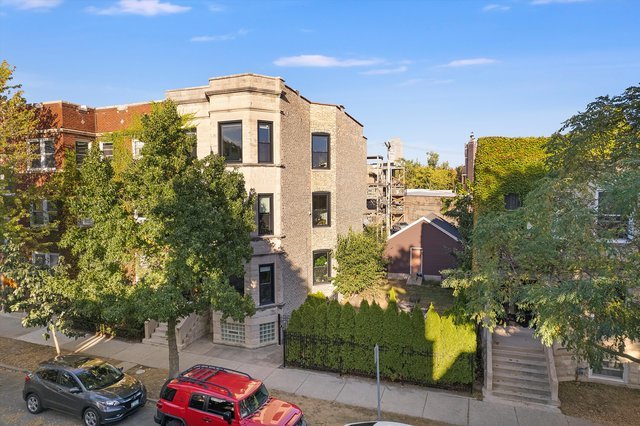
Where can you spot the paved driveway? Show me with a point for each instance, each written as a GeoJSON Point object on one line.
{"type": "Point", "coordinates": [14, 412]}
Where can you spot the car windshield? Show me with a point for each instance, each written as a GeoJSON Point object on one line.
{"type": "Point", "coordinates": [254, 401]}
{"type": "Point", "coordinates": [99, 376]}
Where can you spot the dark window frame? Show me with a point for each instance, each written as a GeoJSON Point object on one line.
{"type": "Point", "coordinates": [313, 209]}
{"type": "Point", "coordinates": [316, 254]}
{"type": "Point", "coordinates": [204, 402]}
{"type": "Point", "coordinates": [270, 143]}
{"type": "Point", "coordinates": [235, 282]}
{"type": "Point", "coordinates": [328, 152]}
{"type": "Point", "coordinates": [270, 197]}
{"type": "Point", "coordinates": [221, 124]}
{"type": "Point", "coordinates": [80, 157]}
{"type": "Point", "coordinates": [512, 201]}
{"type": "Point", "coordinates": [271, 284]}
{"type": "Point", "coordinates": [44, 160]}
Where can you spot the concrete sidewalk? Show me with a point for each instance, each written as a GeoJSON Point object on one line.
{"type": "Point", "coordinates": [265, 364]}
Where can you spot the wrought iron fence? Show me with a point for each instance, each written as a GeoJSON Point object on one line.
{"type": "Point", "coordinates": [397, 363]}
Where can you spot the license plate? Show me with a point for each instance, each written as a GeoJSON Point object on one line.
{"type": "Point", "coordinates": [135, 402]}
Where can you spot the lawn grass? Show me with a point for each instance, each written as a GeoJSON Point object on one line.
{"type": "Point", "coordinates": [424, 295]}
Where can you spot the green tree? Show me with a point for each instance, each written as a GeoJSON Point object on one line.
{"type": "Point", "coordinates": [361, 266]}
{"type": "Point", "coordinates": [460, 209]}
{"type": "Point", "coordinates": [571, 262]}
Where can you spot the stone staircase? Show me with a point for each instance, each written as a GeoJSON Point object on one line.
{"type": "Point", "coordinates": [188, 330]}
{"type": "Point", "coordinates": [520, 370]}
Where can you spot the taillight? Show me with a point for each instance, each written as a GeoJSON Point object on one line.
{"type": "Point", "coordinates": [27, 377]}
{"type": "Point", "coordinates": [159, 404]}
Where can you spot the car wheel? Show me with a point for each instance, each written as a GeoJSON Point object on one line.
{"type": "Point", "coordinates": [174, 422]}
{"type": "Point", "coordinates": [33, 403]}
{"type": "Point", "coordinates": [91, 417]}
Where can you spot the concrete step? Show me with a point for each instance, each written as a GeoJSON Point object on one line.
{"type": "Point", "coordinates": [522, 349]}
{"type": "Point", "coordinates": [527, 394]}
{"type": "Point", "coordinates": [499, 358]}
{"type": "Point", "coordinates": [518, 375]}
{"type": "Point", "coordinates": [520, 368]}
{"type": "Point", "coordinates": [521, 383]}
{"type": "Point", "coordinates": [511, 397]}
{"type": "Point", "coordinates": [536, 356]}
{"type": "Point", "coordinates": [156, 341]}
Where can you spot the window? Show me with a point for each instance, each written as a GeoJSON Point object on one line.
{"type": "Point", "coordinates": [45, 259]}
{"type": "Point", "coordinates": [372, 204]}
{"type": "Point", "coordinates": [48, 374]}
{"type": "Point", "coordinates": [265, 142]}
{"type": "Point", "coordinates": [220, 406]}
{"type": "Point", "coordinates": [267, 332]}
{"type": "Point", "coordinates": [197, 401]}
{"type": "Point", "coordinates": [168, 393]}
{"type": "Point", "coordinates": [321, 267]}
{"type": "Point", "coordinates": [320, 151]}
{"type": "Point", "coordinates": [266, 278]}
{"type": "Point", "coordinates": [136, 148]}
{"type": "Point", "coordinates": [43, 151]}
{"type": "Point", "coordinates": [82, 150]}
{"type": "Point", "coordinates": [320, 209]}
{"type": "Point", "coordinates": [512, 201]}
{"type": "Point", "coordinates": [106, 148]}
{"type": "Point", "coordinates": [43, 212]}
{"type": "Point", "coordinates": [238, 284]}
{"type": "Point", "coordinates": [265, 218]}
{"type": "Point", "coordinates": [231, 141]}
{"type": "Point", "coordinates": [612, 369]}
{"type": "Point", "coordinates": [192, 135]}
{"type": "Point", "coordinates": [610, 221]}
{"type": "Point", "coordinates": [67, 380]}
{"type": "Point", "coordinates": [232, 332]}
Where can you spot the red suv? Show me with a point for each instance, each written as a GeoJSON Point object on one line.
{"type": "Point", "coordinates": [209, 395]}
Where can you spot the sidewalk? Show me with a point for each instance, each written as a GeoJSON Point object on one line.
{"type": "Point", "coordinates": [265, 364]}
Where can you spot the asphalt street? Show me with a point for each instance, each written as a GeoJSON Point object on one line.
{"type": "Point", "coordinates": [13, 411]}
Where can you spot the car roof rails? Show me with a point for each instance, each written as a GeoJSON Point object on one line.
{"type": "Point", "coordinates": [201, 373]}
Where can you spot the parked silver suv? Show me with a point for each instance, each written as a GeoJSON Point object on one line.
{"type": "Point", "coordinates": [84, 386]}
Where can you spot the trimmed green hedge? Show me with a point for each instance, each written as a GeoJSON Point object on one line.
{"type": "Point", "coordinates": [506, 165]}
{"type": "Point", "coordinates": [434, 350]}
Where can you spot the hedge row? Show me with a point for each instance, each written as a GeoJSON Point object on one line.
{"type": "Point", "coordinates": [330, 336]}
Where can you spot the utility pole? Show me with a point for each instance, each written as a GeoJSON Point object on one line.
{"type": "Point", "coordinates": [388, 186]}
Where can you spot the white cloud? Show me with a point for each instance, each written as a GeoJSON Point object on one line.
{"type": "Point", "coordinates": [543, 2]}
{"type": "Point", "coordinates": [31, 4]}
{"type": "Point", "coordinates": [222, 37]}
{"type": "Point", "coordinates": [140, 7]}
{"type": "Point", "coordinates": [410, 82]}
{"type": "Point", "coordinates": [216, 7]}
{"type": "Point", "coordinates": [386, 71]}
{"type": "Point", "coordinates": [321, 61]}
{"type": "Point", "coordinates": [495, 8]}
{"type": "Point", "coordinates": [469, 62]}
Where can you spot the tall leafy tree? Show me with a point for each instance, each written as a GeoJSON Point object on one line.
{"type": "Point", "coordinates": [361, 265]}
{"type": "Point", "coordinates": [194, 219]}
{"type": "Point", "coordinates": [570, 256]}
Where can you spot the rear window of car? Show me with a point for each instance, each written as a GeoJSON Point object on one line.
{"type": "Point", "coordinates": [168, 393]}
{"type": "Point", "coordinates": [48, 374]}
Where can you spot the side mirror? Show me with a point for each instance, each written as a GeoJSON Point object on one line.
{"type": "Point", "coordinates": [74, 390]}
{"type": "Point", "coordinates": [121, 369]}
{"type": "Point", "coordinates": [227, 416]}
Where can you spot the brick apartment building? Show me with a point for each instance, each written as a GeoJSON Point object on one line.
{"type": "Point", "coordinates": [305, 161]}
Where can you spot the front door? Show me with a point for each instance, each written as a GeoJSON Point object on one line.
{"type": "Point", "coordinates": [415, 266]}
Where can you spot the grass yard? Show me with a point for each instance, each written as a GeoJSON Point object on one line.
{"type": "Point", "coordinates": [425, 294]}
{"type": "Point", "coordinates": [604, 404]}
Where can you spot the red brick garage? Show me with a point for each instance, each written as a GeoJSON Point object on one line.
{"type": "Point", "coordinates": [424, 247]}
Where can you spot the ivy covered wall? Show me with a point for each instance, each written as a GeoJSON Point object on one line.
{"type": "Point", "coordinates": [506, 166]}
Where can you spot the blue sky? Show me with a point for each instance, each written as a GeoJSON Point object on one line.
{"type": "Point", "coordinates": [429, 72]}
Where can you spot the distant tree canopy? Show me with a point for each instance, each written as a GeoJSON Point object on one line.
{"type": "Point", "coordinates": [430, 176]}
{"type": "Point", "coordinates": [570, 253]}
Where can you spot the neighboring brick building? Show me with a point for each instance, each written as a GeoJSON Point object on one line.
{"type": "Point", "coordinates": [305, 161]}
{"type": "Point", "coordinates": [422, 202]}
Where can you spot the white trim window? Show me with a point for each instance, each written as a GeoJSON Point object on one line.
{"type": "Point", "coordinates": [49, 260]}
{"type": "Point", "coordinates": [612, 369]}
{"type": "Point", "coordinates": [106, 149]}
{"type": "Point", "coordinates": [43, 151]}
{"type": "Point", "coordinates": [43, 212]}
{"type": "Point", "coordinates": [611, 221]}
{"type": "Point", "coordinates": [136, 148]}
